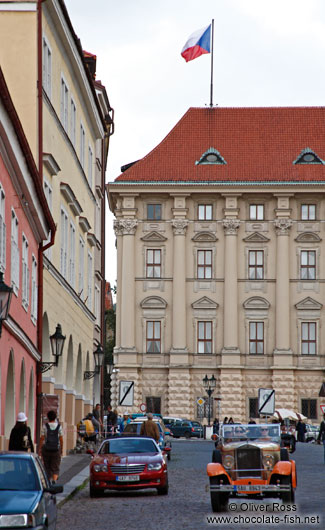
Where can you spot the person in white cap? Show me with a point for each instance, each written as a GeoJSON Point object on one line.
{"type": "Point", "coordinates": [20, 436]}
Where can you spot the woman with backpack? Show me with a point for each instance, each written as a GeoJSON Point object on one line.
{"type": "Point", "coordinates": [20, 436]}
{"type": "Point", "coordinates": [51, 445]}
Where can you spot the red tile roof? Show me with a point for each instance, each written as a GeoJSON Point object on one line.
{"type": "Point", "coordinates": [258, 144]}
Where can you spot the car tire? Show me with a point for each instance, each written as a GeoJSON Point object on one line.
{"type": "Point", "coordinates": [169, 456]}
{"type": "Point", "coordinates": [216, 456]}
{"type": "Point", "coordinates": [187, 435]}
{"type": "Point", "coordinates": [288, 497]}
{"type": "Point", "coordinates": [93, 492]}
{"type": "Point", "coordinates": [284, 455]}
{"type": "Point", "coordinates": [163, 490]}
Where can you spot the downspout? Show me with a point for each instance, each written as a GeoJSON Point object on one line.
{"type": "Point", "coordinates": [102, 324]}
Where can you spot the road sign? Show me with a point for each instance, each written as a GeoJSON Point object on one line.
{"type": "Point", "coordinates": [143, 407]}
{"type": "Point", "coordinates": [126, 393]}
{"type": "Point", "coordinates": [200, 401]}
{"type": "Point", "coordinates": [322, 408]}
{"type": "Point", "coordinates": [266, 401]}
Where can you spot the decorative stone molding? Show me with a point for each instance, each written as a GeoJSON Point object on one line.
{"type": "Point", "coordinates": [282, 226]}
{"type": "Point", "coordinates": [205, 236]}
{"type": "Point", "coordinates": [231, 226]}
{"type": "Point", "coordinates": [309, 304]}
{"type": "Point", "coordinates": [256, 237]}
{"type": "Point", "coordinates": [308, 237]}
{"type": "Point", "coordinates": [179, 226]}
{"type": "Point", "coordinates": [124, 227]}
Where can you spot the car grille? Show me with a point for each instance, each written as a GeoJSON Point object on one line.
{"type": "Point", "coordinates": [127, 469]}
{"type": "Point", "coordinates": [249, 461]}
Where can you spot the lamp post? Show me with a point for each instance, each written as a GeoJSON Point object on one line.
{"type": "Point", "coordinates": [57, 342]}
{"type": "Point", "coordinates": [99, 358]}
{"type": "Point", "coordinates": [209, 385]}
{"type": "Point", "coordinates": [5, 299]}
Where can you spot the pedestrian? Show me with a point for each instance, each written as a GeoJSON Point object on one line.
{"type": "Point", "coordinates": [126, 420]}
{"type": "Point", "coordinates": [225, 420]}
{"type": "Point", "coordinates": [91, 435]}
{"type": "Point", "coordinates": [51, 446]}
{"type": "Point", "coordinates": [301, 430]}
{"type": "Point", "coordinates": [230, 420]}
{"type": "Point", "coordinates": [111, 420]}
{"type": "Point", "coordinates": [20, 436]}
{"type": "Point", "coordinates": [150, 428]}
{"type": "Point", "coordinates": [321, 435]}
{"type": "Point", "coordinates": [216, 426]}
{"type": "Point", "coordinates": [97, 416]}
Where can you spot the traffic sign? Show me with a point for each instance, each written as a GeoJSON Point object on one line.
{"type": "Point", "coordinates": [322, 407]}
{"type": "Point", "coordinates": [126, 393]}
{"type": "Point", "coordinates": [200, 401]}
{"type": "Point", "coordinates": [143, 407]}
{"type": "Point", "coordinates": [266, 401]}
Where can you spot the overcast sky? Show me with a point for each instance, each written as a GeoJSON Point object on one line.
{"type": "Point", "coordinates": [266, 53]}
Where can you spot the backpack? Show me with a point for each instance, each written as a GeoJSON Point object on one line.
{"type": "Point", "coordinates": [52, 438]}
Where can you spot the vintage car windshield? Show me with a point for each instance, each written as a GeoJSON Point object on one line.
{"type": "Point", "coordinates": [128, 445]}
{"type": "Point", "coordinates": [18, 474]}
{"type": "Point", "coordinates": [231, 433]}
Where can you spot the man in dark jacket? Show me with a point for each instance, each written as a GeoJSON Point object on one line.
{"type": "Point", "coordinates": [150, 428]}
{"type": "Point", "coordinates": [20, 436]}
{"type": "Point", "coordinates": [321, 436]}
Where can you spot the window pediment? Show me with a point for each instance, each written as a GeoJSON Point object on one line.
{"type": "Point", "coordinates": [205, 303]}
{"type": "Point", "coordinates": [256, 302]}
{"type": "Point", "coordinates": [308, 237]}
{"type": "Point", "coordinates": [308, 303]}
{"type": "Point", "coordinates": [205, 236]}
{"type": "Point", "coordinates": [153, 302]}
{"type": "Point", "coordinates": [256, 237]}
{"type": "Point", "coordinates": [308, 156]}
{"type": "Point", "coordinates": [154, 237]}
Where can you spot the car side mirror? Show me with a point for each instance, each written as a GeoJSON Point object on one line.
{"type": "Point", "coordinates": [54, 489]}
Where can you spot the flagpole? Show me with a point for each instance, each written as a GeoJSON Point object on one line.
{"type": "Point", "coordinates": [211, 85]}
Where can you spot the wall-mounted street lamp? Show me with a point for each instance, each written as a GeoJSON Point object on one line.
{"type": "Point", "coordinates": [209, 386]}
{"type": "Point", "coordinates": [57, 343]}
{"type": "Point", "coordinates": [5, 299]}
{"type": "Point", "coordinates": [99, 358]}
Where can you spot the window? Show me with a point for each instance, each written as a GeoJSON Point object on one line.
{"type": "Point", "coordinates": [14, 252]}
{"type": "Point", "coordinates": [73, 116]}
{"type": "Point", "coordinates": [308, 212]}
{"type": "Point", "coordinates": [82, 145]}
{"type": "Point", "coordinates": [309, 408]}
{"type": "Point", "coordinates": [308, 264]}
{"type": "Point", "coordinates": [64, 104]}
{"type": "Point", "coordinates": [153, 264]}
{"type": "Point", "coordinates": [97, 303]}
{"type": "Point", "coordinates": [48, 195]}
{"type": "Point", "coordinates": [47, 68]}
{"type": "Point", "coordinates": [25, 273]}
{"type": "Point", "coordinates": [202, 411]}
{"type": "Point", "coordinates": [81, 268]}
{"type": "Point", "coordinates": [2, 231]}
{"type": "Point", "coordinates": [90, 282]}
{"type": "Point", "coordinates": [154, 212]}
{"type": "Point", "coordinates": [256, 264]}
{"type": "Point", "coordinates": [204, 264]}
{"type": "Point", "coordinates": [90, 166]}
{"type": "Point", "coordinates": [256, 212]}
{"type": "Point", "coordinates": [308, 338]}
{"type": "Point", "coordinates": [256, 337]}
{"type": "Point", "coordinates": [253, 408]}
{"type": "Point", "coordinates": [204, 337]}
{"type": "Point", "coordinates": [205, 212]}
{"type": "Point", "coordinates": [153, 337]}
{"type": "Point", "coordinates": [34, 290]}
{"type": "Point", "coordinates": [153, 404]}
{"type": "Point", "coordinates": [72, 256]}
{"type": "Point", "coordinates": [64, 243]}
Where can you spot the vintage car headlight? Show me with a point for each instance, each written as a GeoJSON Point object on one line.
{"type": "Point", "coordinates": [228, 462]}
{"type": "Point", "coordinates": [268, 461]}
{"type": "Point", "coordinates": [154, 467]}
{"type": "Point", "coordinates": [100, 467]}
{"type": "Point", "coordinates": [20, 519]}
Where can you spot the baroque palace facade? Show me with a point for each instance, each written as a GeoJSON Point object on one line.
{"type": "Point", "coordinates": [221, 264]}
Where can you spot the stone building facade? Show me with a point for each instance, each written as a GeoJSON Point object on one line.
{"type": "Point", "coordinates": [220, 263]}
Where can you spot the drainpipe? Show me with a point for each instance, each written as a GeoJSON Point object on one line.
{"type": "Point", "coordinates": [102, 323]}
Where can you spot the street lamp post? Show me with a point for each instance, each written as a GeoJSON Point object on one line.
{"type": "Point", "coordinates": [209, 386]}
{"type": "Point", "coordinates": [57, 342]}
{"type": "Point", "coordinates": [5, 299]}
{"type": "Point", "coordinates": [98, 357]}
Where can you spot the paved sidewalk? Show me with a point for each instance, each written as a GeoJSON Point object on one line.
{"type": "Point", "coordinates": [74, 471]}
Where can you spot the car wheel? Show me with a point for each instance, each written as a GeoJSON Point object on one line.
{"type": "Point", "coordinates": [284, 455]}
{"type": "Point", "coordinates": [93, 492]}
{"type": "Point", "coordinates": [163, 490]}
{"type": "Point", "coordinates": [216, 456]}
{"type": "Point", "coordinates": [169, 456]}
{"type": "Point", "coordinates": [187, 435]}
{"type": "Point", "coordinates": [288, 497]}
{"type": "Point", "coordinates": [219, 500]}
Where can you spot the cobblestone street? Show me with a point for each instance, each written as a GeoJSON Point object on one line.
{"type": "Point", "coordinates": [188, 503]}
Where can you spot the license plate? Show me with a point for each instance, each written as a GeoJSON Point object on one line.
{"type": "Point", "coordinates": [245, 487]}
{"type": "Point", "coordinates": [128, 478]}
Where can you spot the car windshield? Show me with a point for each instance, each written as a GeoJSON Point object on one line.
{"type": "Point", "coordinates": [17, 474]}
{"type": "Point", "coordinates": [128, 445]}
{"type": "Point", "coordinates": [262, 432]}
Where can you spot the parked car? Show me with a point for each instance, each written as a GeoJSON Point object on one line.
{"type": "Point", "coordinates": [186, 428]}
{"type": "Point", "coordinates": [249, 461]}
{"type": "Point", "coordinates": [170, 420]}
{"type": "Point", "coordinates": [312, 432]}
{"type": "Point", "coordinates": [164, 443]}
{"type": "Point", "coordinates": [27, 499]}
{"type": "Point", "coordinates": [126, 463]}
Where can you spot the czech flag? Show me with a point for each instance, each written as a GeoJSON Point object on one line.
{"type": "Point", "coordinates": [197, 44]}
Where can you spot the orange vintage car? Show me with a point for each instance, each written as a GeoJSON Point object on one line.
{"type": "Point", "coordinates": [249, 461]}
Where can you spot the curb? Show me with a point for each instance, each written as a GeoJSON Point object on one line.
{"type": "Point", "coordinates": [73, 485]}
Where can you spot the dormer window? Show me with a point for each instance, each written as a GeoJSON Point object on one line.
{"type": "Point", "coordinates": [211, 157]}
{"type": "Point", "coordinates": [307, 156]}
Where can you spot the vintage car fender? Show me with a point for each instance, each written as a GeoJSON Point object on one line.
{"type": "Point", "coordinates": [213, 470]}
{"type": "Point", "coordinates": [283, 468]}
{"type": "Point", "coordinates": [294, 474]}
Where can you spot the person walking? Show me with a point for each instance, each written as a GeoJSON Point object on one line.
{"type": "Point", "coordinates": [216, 426]}
{"type": "Point", "coordinates": [111, 420]}
{"type": "Point", "coordinates": [150, 428]}
{"type": "Point", "coordinates": [20, 436]}
{"type": "Point", "coordinates": [51, 446]}
{"type": "Point", "coordinates": [301, 430]}
{"type": "Point", "coordinates": [321, 435]}
{"type": "Point", "coordinates": [97, 416]}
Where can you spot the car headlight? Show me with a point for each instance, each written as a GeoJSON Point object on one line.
{"type": "Point", "coordinates": [100, 467]}
{"type": "Point", "coordinates": [19, 519]}
{"type": "Point", "coordinates": [268, 461]}
{"type": "Point", "coordinates": [228, 462]}
{"type": "Point", "coordinates": [154, 467]}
